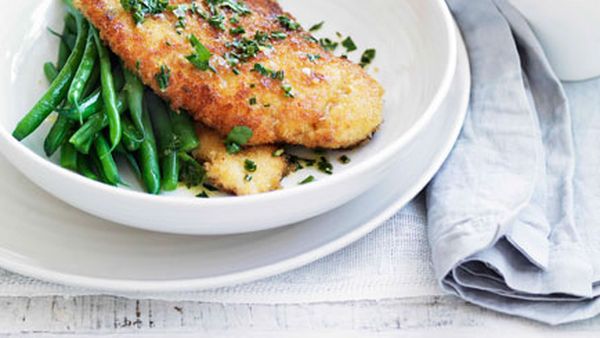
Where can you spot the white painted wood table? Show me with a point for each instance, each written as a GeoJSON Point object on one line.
{"type": "Point", "coordinates": [417, 317]}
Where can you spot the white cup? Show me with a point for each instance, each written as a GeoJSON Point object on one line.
{"type": "Point", "coordinates": [569, 31]}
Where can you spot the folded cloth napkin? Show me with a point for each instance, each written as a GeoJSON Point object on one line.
{"type": "Point", "coordinates": [505, 228]}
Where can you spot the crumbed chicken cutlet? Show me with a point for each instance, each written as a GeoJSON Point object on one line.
{"type": "Point", "coordinates": [264, 72]}
{"type": "Point", "coordinates": [231, 172]}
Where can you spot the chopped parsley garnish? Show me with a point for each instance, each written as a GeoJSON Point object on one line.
{"type": "Point", "coordinates": [344, 159]}
{"type": "Point", "coordinates": [250, 166]}
{"type": "Point", "coordinates": [328, 44]}
{"type": "Point", "coordinates": [288, 23]}
{"type": "Point", "coordinates": [203, 194]}
{"type": "Point", "coordinates": [180, 13]}
{"type": "Point", "coordinates": [217, 21]}
{"type": "Point", "coordinates": [349, 44]}
{"type": "Point", "coordinates": [278, 152]}
{"type": "Point", "coordinates": [163, 78]}
{"type": "Point", "coordinates": [244, 49]}
{"type": "Point", "coordinates": [237, 31]}
{"type": "Point", "coordinates": [201, 57]}
{"type": "Point", "coordinates": [325, 166]}
{"type": "Point", "coordinates": [288, 90]}
{"type": "Point", "coordinates": [313, 57]}
{"type": "Point", "coordinates": [311, 38]}
{"type": "Point", "coordinates": [237, 7]}
{"type": "Point", "coordinates": [264, 71]}
{"type": "Point", "coordinates": [278, 35]}
{"type": "Point", "coordinates": [316, 27]}
{"type": "Point", "coordinates": [252, 101]}
{"type": "Point", "coordinates": [238, 137]}
{"type": "Point", "coordinates": [217, 18]}
{"type": "Point", "coordinates": [139, 9]}
{"type": "Point", "coordinates": [299, 163]}
{"type": "Point", "coordinates": [307, 180]}
{"type": "Point", "coordinates": [367, 57]}
{"type": "Point", "coordinates": [248, 178]}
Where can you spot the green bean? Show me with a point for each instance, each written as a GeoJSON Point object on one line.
{"type": "Point", "coordinates": [167, 143]}
{"type": "Point", "coordinates": [58, 134]}
{"type": "Point", "coordinates": [70, 24]}
{"type": "Point", "coordinates": [135, 98]}
{"type": "Point", "coordinates": [132, 138]}
{"type": "Point", "coordinates": [57, 91]}
{"type": "Point", "coordinates": [118, 76]}
{"type": "Point", "coordinates": [130, 158]}
{"type": "Point", "coordinates": [109, 96]}
{"type": "Point", "coordinates": [85, 168]}
{"type": "Point", "coordinates": [98, 166]}
{"type": "Point", "coordinates": [148, 156]}
{"type": "Point", "coordinates": [70, 40]}
{"type": "Point", "coordinates": [63, 54]}
{"type": "Point", "coordinates": [68, 157]}
{"type": "Point", "coordinates": [93, 83]}
{"type": "Point", "coordinates": [107, 162]}
{"type": "Point", "coordinates": [50, 71]}
{"type": "Point", "coordinates": [84, 72]}
{"type": "Point", "coordinates": [90, 105]}
{"type": "Point", "coordinates": [184, 128]}
{"type": "Point", "coordinates": [85, 134]}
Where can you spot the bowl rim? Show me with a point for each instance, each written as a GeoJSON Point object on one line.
{"type": "Point", "coordinates": [14, 147]}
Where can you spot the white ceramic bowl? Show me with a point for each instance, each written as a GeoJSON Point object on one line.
{"type": "Point", "coordinates": [416, 45]}
{"type": "Point", "coordinates": [569, 30]}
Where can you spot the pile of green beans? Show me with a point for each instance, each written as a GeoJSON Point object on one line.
{"type": "Point", "coordinates": [103, 111]}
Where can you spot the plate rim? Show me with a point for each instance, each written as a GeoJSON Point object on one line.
{"type": "Point", "coordinates": [253, 274]}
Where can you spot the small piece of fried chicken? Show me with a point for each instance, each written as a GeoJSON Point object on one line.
{"type": "Point", "coordinates": [231, 63]}
{"type": "Point", "coordinates": [230, 172]}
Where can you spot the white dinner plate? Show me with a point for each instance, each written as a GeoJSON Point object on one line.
{"type": "Point", "coordinates": [46, 239]}
{"type": "Point", "coordinates": [416, 58]}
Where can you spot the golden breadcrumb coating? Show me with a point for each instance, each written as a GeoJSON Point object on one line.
{"type": "Point", "coordinates": [336, 103]}
{"type": "Point", "coordinates": [228, 171]}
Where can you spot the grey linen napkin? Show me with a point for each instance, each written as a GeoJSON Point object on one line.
{"type": "Point", "coordinates": [503, 227]}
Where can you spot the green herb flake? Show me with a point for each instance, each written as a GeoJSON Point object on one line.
{"type": "Point", "coordinates": [237, 7]}
{"type": "Point", "coordinates": [328, 44]}
{"type": "Point", "coordinates": [313, 57]}
{"type": "Point", "coordinates": [201, 58]}
{"type": "Point", "coordinates": [278, 35]}
{"type": "Point", "coordinates": [349, 44]}
{"type": "Point", "coordinates": [307, 180]}
{"type": "Point", "coordinates": [139, 9]}
{"type": "Point", "coordinates": [217, 21]}
{"type": "Point", "coordinates": [288, 23]}
{"type": "Point", "coordinates": [237, 31]}
{"type": "Point", "coordinates": [325, 166]}
{"type": "Point", "coordinates": [278, 152]}
{"type": "Point", "coordinates": [316, 27]}
{"type": "Point", "coordinates": [344, 159]}
{"type": "Point", "coordinates": [180, 12]}
{"type": "Point", "coordinates": [367, 57]}
{"type": "Point", "coordinates": [203, 194]}
{"type": "Point", "coordinates": [163, 78]}
{"type": "Point", "coordinates": [275, 75]}
{"type": "Point", "coordinates": [238, 137]}
{"type": "Point", "coordinates": [248, 178]}
{"type": "Point", "coordinates": [250, 166]}
{"type": "Point", "coordinates": [252, 101]}
{"type": "Point", "coordinates": [288, 91]}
